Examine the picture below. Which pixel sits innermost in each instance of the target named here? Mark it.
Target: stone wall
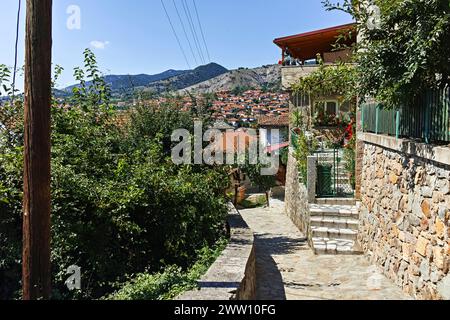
(405, 214)
(233, 275)
(296, 197)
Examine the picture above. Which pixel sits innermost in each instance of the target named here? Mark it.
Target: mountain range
(265, 77)
(203, 79)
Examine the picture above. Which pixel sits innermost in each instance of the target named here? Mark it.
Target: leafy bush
(170, 283)
(303, 148)
(350, 161)
(119, 204)
(255, 203)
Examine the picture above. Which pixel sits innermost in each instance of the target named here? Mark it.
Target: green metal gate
(332, 179)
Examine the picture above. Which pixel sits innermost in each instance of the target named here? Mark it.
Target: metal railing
(428, 118)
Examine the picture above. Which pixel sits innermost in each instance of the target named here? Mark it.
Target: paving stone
(288, 269)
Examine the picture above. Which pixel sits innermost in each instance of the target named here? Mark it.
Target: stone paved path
(287, 269)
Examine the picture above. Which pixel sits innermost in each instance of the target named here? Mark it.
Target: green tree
(407, 53)
(257, 176)
(119, 204)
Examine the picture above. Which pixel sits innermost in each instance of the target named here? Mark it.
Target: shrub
(119, 205)
(170, 283)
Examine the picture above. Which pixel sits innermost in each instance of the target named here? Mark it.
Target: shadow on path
(270, 284)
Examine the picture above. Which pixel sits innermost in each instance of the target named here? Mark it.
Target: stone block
(439, 257)
(426, 192)
(397, 168)
(418, 178)
(425, 270)
(440, 228)
(443, 288)
(407, 250)
(380, 174)
(426, 208)
(443, 212)
(393, 178)
(443, 185)
(442, 173)
(424, 224)
(414, 220)
(421, 246)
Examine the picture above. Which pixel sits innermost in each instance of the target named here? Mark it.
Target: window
(331, 107)
(326, 113)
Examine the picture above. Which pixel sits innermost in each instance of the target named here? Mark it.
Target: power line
(185, 33)
(201, 30)
(193, 31)
(15, 53)
(175, 34)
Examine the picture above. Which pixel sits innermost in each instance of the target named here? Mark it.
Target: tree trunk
(36, 270)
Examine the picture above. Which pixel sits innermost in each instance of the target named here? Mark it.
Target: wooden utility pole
(36, 269)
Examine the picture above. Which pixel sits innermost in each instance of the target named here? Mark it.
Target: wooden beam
(36, 269)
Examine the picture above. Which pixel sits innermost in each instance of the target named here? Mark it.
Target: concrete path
(287, 268)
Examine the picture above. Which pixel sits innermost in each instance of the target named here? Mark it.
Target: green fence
(428, 118)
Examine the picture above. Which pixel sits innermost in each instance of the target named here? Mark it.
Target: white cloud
(99, 44)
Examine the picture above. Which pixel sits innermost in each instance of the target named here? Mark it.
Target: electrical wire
(201, 30)
(193, 31)
(175, 34)
(185, 32)
(15, 53)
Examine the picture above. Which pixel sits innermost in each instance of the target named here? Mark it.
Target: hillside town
(245, 110)
(251, 108)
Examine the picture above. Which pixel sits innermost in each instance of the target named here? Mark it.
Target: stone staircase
(334, 226)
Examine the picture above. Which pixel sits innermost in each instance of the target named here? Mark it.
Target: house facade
(300, 59)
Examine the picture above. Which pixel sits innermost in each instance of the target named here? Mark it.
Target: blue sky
(135, 37)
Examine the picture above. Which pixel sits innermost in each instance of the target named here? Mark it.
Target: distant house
(269, 123)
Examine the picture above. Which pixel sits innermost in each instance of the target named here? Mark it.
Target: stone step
(337, 201)
(335, 247)
(335, 222)
(334, 233)
(327, 210)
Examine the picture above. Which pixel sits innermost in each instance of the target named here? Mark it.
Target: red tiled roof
(271, 121)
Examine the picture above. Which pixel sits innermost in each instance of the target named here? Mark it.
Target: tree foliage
(407, 52)
(119, 204)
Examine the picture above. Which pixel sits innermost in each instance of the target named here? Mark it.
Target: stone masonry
(296, 197)
(405, 219)
(233, 274)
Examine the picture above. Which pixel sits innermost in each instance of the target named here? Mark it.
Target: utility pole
(36, 269)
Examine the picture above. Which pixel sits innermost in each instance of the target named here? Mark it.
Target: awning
(305, 46)
(277, 147)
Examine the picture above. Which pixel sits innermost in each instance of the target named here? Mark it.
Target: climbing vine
(339, 80)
